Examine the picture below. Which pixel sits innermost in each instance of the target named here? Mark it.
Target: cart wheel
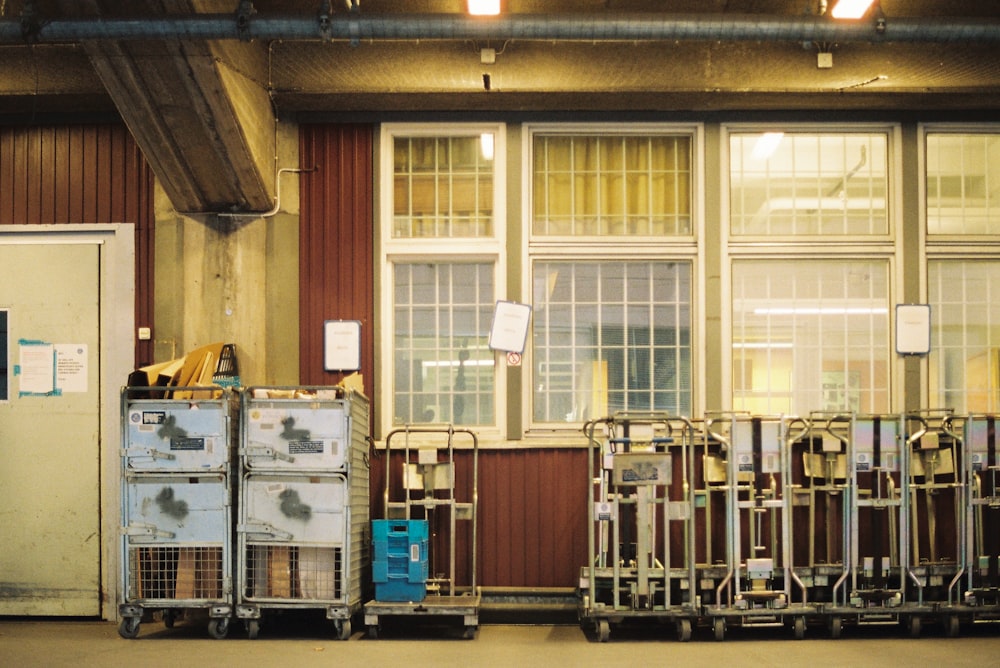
(343, 629)
(836, 624)
(951, 626)
(169, 617)
(373, 631)
(800, 627)
(129, 627)
(914, 624)
(470, 632)
(603, 630)
(253, 628)
(684, 630)
(218, 627)
(719, 628)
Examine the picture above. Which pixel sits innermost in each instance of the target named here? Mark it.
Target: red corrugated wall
(532, 501)
(82, 174)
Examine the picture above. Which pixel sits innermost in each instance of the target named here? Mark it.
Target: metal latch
(267, 451)
(141, 529)
(263, 528)
(152, 453)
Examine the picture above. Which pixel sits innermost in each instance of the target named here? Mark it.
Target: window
(810, 335)
(611, 255)
(611, 336)
(963, 183)
(964, 363)
(792, 184)
(441, 242)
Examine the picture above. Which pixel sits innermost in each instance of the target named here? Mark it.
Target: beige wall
(233, 279)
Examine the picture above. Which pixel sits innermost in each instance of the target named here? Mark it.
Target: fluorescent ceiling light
(484, 7)
(825, 310)
(766, 145)
(764, 345)
(851, 9)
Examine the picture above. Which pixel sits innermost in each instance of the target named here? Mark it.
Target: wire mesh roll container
(176, 506)
(640, 526)
(302, 533)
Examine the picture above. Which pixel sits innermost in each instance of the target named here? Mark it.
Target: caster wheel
(218, 628)
(373, 631)
(129, 627)
(836, 625)
(343, 629)
(914, 626)
(470, 632)
(603, 630)
(719, 628)
(169, 618)
(951, 626)
(684, 630)
(800, 628)
(253, 628)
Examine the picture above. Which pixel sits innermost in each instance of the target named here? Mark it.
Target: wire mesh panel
(294, 573)
(176, 573)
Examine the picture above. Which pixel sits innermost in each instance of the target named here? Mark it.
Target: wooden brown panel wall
(82, 174)
(532, 502)
(336, 274)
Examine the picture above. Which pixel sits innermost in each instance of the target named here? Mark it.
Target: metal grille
(294, 572)
(175, 573)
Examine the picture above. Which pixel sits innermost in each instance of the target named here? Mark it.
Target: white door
(50, 430)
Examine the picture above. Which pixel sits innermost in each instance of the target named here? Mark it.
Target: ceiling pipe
(630, 27)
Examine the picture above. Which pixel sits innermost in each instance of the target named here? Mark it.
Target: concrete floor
(33, 642)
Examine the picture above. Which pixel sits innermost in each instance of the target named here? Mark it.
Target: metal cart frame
(303, 504)
(176, 506)
(757, 590)
(428, 480)
(632, 472)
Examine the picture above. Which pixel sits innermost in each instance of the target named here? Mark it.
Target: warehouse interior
(289, 178)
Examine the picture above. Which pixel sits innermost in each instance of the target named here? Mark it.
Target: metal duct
(619, 27)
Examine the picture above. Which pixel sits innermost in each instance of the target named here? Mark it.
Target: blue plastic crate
(399, 563)
(400, 591)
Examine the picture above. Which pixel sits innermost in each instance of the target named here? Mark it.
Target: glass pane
(964, 362)
(810, 335)
(963, 184)
(610, 336)
(444, 371)
(802, 184)
(611, 185)
(442, 187)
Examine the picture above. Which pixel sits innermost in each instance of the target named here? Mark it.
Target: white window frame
(947, 247)
(672, 248)
(393, 251)
(886, 247)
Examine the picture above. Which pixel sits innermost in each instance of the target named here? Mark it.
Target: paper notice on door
(71, 367)
(36, 368)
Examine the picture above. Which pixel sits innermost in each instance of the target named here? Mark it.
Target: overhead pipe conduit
(631, 27)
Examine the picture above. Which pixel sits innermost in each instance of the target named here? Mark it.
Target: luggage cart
(303, 504)
(426, 479)
(176, 507)
(758, 587)
(820, 508)
(979, 585)
(640, 528)
(936, 495)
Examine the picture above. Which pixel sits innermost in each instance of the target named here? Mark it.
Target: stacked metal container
(176, 512)
(303, 503)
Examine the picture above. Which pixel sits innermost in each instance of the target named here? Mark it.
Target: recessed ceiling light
(484, 7)
(851, 9)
